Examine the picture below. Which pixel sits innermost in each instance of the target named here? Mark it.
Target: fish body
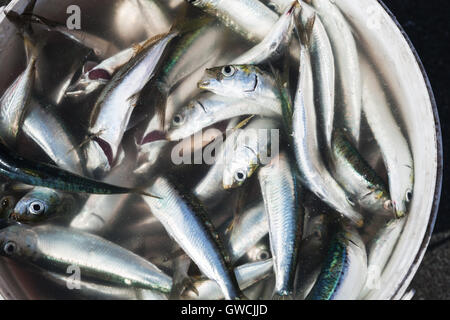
(312, 170)
(281, 200)
(356, 176)
(40, 174)
(344, 271)
(14, 103)
(275, 42)
(112, 111)
(41, 204)
(187, 224)
(393, 145)
(56, 248)
(348, 77)
(210, 109)
(99, 291)
(251, 226)
(42, 126)
(323, 73)
(250, 18)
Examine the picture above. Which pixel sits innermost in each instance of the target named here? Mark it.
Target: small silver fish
(275, 42)
(187, 224)
(313, 173)
(280, 192)
(250, 18)
(210, 109)
(344, 271)
(112, 111)
(55, 248)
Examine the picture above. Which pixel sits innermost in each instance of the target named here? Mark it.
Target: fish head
(231, 80)
(17, 241)
(36, 205)
(238, 170)
(191, 119)
(259, 252)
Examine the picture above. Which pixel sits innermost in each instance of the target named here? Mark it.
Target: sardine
(250, 18)
(14, 103)
(313, 172)
(280, 192)
(42, 126)
(344, 271)
(393, 144)
(246, 275)
(250, 227)
(210, 109)
(323, 72)
(55, 249)
(356, 176)
(44, 175)
(42, 204)
(312, 251)
(112, 111)
(187, 224)
(100, 291)
(348, 77)
(275, 42)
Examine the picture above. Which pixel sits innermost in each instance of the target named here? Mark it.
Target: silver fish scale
(278, 187)
(97, 257)
(192, 233)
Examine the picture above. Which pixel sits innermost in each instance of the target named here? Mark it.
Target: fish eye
(228, 71)
(388, 205)
(240, 176)
(9, 248)
(36, 208)
(178, 120)
(409, 195)
(263, 255)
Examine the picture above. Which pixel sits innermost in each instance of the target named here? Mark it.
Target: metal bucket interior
(372, 23)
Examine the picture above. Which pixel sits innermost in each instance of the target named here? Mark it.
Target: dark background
(427, 23)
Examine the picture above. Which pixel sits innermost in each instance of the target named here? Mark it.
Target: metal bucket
(373, 24)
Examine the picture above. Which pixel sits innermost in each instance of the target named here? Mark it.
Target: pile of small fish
(87, 156)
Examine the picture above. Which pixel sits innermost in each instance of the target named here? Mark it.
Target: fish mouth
(204, 84)
(154, 136)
